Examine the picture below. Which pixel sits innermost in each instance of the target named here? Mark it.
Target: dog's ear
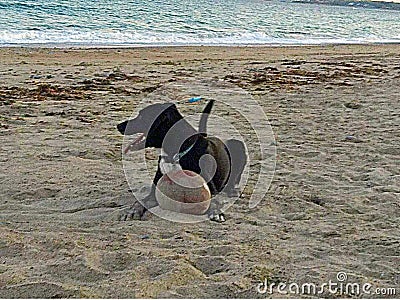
(172, 107)
(172, 114)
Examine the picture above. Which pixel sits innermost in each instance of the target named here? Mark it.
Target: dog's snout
(121, 127)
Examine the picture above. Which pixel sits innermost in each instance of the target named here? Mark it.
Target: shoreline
(141, 46)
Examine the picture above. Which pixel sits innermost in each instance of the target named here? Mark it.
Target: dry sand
(333, 205)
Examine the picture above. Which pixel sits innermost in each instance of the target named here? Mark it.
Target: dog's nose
(121, 127)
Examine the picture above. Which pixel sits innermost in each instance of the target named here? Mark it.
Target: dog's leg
(237, 152)
(214, 212)
(138, 209)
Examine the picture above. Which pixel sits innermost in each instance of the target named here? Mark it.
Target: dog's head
(152, 123)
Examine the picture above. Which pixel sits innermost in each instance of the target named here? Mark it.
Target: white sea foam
(179, 22)
(99, 38)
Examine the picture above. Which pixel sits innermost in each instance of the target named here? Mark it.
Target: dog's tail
(204, 117)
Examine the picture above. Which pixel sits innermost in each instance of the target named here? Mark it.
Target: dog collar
(179, 155)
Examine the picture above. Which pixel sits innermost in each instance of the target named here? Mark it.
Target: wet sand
(333, 204)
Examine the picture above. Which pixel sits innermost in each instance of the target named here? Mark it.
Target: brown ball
(183, 191)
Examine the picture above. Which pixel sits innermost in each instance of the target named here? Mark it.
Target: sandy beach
(333, 205)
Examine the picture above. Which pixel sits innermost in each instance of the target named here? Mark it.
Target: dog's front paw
(136, 212)
(216, 215)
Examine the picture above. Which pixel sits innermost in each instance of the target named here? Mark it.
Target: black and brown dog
(162, 126)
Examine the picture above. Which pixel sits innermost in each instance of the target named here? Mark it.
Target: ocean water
(191, 22)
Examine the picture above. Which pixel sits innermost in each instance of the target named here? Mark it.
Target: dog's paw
(136, 212)
(216, 216)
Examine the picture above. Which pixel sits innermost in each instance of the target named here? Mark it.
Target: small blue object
(194, 99)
